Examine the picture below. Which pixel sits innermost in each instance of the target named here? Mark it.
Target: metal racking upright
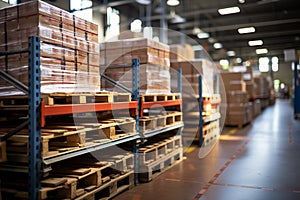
(296, 90)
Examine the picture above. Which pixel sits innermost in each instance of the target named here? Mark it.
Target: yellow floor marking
(227, 135)
(190, 149)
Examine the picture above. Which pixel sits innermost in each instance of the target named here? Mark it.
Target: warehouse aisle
(258, 162)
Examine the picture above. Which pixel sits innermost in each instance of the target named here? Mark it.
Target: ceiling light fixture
(173, 2)
(218, 45)
(143, 2)
(211, 40)
(230, 53)
(261, 51)
(255, 43)
(230, 10)
(203, 35)
(246, 30)
(196, 30)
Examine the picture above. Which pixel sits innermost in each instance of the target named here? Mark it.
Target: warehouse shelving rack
(296, 90)
(38, 111)
(200, 103)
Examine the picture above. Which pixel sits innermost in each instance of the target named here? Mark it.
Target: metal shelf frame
(38, 112)
(296, 91)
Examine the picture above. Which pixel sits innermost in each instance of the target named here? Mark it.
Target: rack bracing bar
(118, 85)
(5, 76)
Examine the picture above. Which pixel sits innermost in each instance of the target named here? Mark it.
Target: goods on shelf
(181, 52)
(154, 68)
(121, 52)
(153, 78)
(239, 110)
(191, 69)
(69, 49)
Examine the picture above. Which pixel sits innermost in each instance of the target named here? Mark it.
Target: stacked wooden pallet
(156, 157)
(79, 178)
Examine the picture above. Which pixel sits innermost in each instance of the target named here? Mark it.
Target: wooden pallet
(212, 98)
(149, 123)
(160, 97)
(211, 132)
(153, 169)
(67, 98)
(153, 152)
(112, 188)
(79, 184)
(59, 139)
(104, 97)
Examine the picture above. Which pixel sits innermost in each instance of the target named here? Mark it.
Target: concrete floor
(258, 162)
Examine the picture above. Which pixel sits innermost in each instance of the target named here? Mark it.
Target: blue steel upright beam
(179, 80)
(296, 91)
(136, 96)
(200, 101)
(34, 129)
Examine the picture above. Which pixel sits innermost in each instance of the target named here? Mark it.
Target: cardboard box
(236, 86)
(38, 7)
(231, 76)
(237, 97)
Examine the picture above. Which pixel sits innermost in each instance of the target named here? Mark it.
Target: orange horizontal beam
(146, 105)
(64, 109)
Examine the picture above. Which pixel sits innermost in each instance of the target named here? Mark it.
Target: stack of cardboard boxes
(69, 47)
(154, 64)
(239, 110)
(263, 90)
(191, 69)
(181, 52)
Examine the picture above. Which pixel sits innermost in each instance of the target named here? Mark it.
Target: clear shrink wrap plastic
(69, 48)
(154, 64)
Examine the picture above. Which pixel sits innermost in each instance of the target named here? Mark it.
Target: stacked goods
(263, 88)
(154, 64)
(250, 84)
(239, 110)
(191, 71)
(69, 47)
(181, 52)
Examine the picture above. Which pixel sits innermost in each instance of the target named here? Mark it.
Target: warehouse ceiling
(276, 23)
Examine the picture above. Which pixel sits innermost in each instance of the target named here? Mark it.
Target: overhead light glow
(202, 35)
(255, 43)
(246, 30)
(211, 40)
(144, 2)
(263, 64)
(196, 30)
(173, 2)
(238, 60)
(218, 45)
(261, 51)
(177, 20)
(230, 10)
(230, 53)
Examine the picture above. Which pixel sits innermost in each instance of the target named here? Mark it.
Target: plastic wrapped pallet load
(69, 48)
(154, 64)
(191, 70)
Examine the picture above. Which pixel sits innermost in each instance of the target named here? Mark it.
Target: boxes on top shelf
(181, 52)
(122, 52)
(154, 60)
(190, 74)
(69, 47)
